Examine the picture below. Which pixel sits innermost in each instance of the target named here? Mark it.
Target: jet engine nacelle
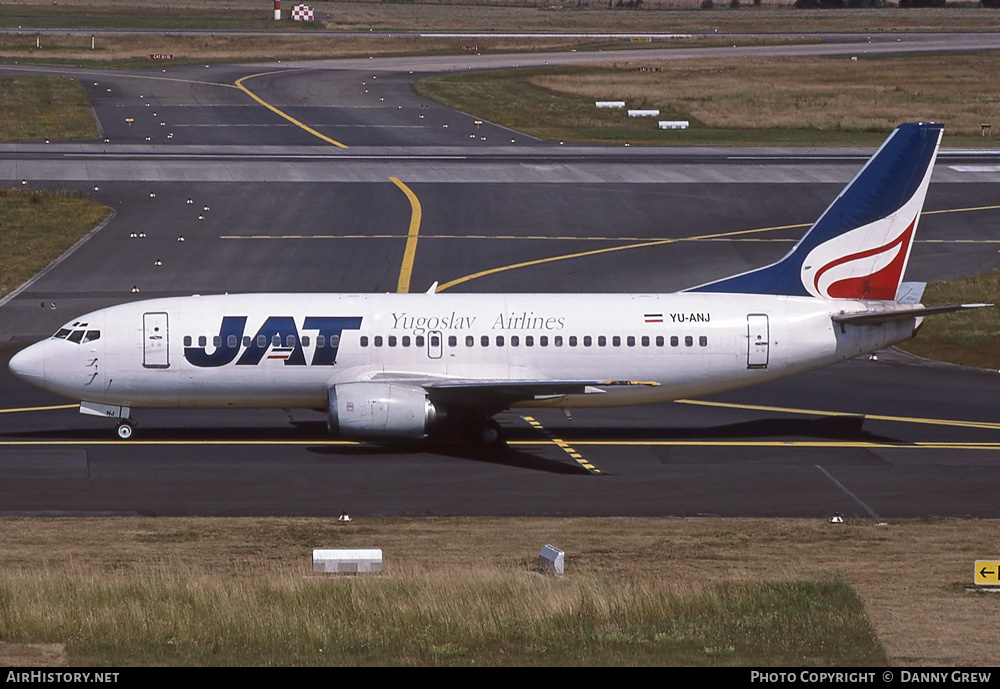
(379, 411)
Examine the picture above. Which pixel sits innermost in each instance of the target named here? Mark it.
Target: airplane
(391, 367)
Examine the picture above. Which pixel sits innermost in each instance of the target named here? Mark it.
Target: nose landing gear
(125, 429)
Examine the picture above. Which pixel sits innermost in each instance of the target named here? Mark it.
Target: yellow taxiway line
(241, 87)
(409, 253)
(49, 408)
(560, 443)
(989, 425)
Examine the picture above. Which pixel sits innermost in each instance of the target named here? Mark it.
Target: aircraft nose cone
(29, 364)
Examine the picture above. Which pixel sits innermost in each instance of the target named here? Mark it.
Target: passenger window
(645, 340)
(572, 340)
(469, 340)
(688, 341)
(334, 340)
(305, 340)
(543, 340)
(514, 340)
(232, 341)
(587, 341)
(659, 340)
(246, 340)
(203, 341)
(378, 340)
(320, 341)
(674, 341)
(452, 341)
(703, 341)
(529, 340)
(364, 340)
(289, 340)
(187, 340)
(602, 341)
(392, 340)
(406, 340)
(484, 340)
(557, 340)
(420, 341)
(436, 341)
(630, 341)
(499, 340)
(275, 340)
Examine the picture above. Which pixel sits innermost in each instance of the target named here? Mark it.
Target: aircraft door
(434, 344)
(155, 341)
(758, 347)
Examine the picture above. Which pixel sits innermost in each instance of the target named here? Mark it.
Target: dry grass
(793, 93)
(501, 15)
(445, 574)
(815, 101)
(133, 50)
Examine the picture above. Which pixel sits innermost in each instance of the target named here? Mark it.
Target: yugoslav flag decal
(836, 269)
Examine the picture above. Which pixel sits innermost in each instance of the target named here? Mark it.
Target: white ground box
(673, 124)
(610, 103)
(643, 113)
(552, 559)
(347, 560)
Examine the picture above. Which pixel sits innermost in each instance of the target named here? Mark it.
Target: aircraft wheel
(491, 435)
(125, 430)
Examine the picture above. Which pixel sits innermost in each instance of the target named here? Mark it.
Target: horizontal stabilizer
(918, 311)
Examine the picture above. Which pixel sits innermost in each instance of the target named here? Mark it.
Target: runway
(277, 207)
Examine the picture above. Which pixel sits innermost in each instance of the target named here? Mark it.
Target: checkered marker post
(302, 13)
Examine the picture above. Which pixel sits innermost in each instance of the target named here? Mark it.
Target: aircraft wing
(497, 394)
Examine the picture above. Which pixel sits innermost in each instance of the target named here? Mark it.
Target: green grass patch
(34, 108)
(38, 226)
(970, 338)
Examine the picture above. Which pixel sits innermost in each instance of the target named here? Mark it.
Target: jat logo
(278, 338)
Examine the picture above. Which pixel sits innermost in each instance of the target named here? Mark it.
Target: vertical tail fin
(859, 247)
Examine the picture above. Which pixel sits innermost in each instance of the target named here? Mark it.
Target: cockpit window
(77, 334)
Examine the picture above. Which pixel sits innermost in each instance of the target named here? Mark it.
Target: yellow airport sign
(987, 573)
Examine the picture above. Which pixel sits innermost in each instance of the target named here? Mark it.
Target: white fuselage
(287, 350)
